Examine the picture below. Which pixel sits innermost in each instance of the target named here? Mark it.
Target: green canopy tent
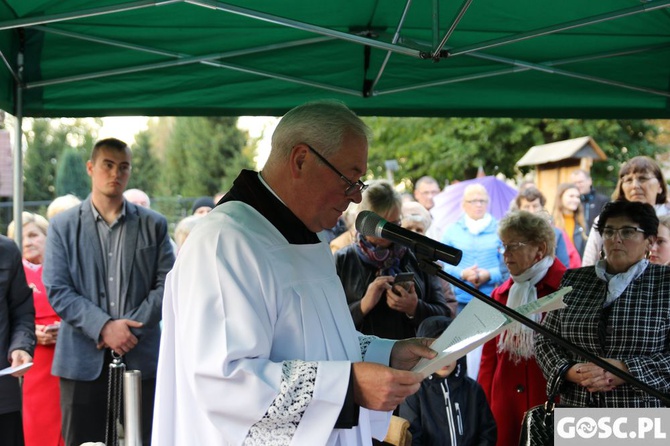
(569, 58)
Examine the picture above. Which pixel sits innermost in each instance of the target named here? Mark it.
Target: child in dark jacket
(450, 408)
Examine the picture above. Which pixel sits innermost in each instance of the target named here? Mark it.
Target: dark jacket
(466, 419)
(635, 329)
(593, 202)
(382, 321)
(17, 320)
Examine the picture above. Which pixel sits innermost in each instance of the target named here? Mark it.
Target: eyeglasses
(354, 187)
(511, 247)
(625, 232)
(482, 202)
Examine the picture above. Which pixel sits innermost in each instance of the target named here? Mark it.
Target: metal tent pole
(17, 159)
(132, 407)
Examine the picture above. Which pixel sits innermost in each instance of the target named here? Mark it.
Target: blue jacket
(480, 249)
(75, 281)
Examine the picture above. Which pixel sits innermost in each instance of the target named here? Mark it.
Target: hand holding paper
(15, 371)
(476, 324)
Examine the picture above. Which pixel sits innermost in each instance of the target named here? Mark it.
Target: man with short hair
(258, 342)
(424, 190)
(592, 200)
(104, 270)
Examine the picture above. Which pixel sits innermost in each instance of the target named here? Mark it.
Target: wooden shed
(554, 162)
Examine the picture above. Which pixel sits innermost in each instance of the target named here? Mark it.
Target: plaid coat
(636, 331)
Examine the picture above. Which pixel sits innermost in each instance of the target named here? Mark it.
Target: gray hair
(534, 227)
(473, 189)
(380, 197)
(321, 124)
(60, 204)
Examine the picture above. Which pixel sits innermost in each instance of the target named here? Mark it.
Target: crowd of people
(267, 318)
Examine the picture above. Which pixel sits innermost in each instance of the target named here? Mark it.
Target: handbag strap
(555, 387)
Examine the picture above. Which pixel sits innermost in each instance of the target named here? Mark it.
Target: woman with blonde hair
(41, 391)
(509, 374)
(660, 249)
(568, 215)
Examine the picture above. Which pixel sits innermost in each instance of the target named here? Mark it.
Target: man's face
(582, 182)
(531, 206)
(324, 199)
(425, 192)
(109, 172)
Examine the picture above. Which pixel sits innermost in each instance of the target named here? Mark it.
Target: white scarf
(518, 340)
(617, 283)
(477, 226)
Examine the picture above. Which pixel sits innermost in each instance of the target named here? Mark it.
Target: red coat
(510, 388)
(41, 390)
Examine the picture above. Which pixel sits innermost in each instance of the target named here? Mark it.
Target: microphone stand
(429, 266)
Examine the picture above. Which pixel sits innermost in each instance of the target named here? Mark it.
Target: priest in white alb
(258, 344)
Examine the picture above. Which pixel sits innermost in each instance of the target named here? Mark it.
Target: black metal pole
(427, 265)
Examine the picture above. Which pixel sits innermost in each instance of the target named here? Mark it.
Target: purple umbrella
(448, 203)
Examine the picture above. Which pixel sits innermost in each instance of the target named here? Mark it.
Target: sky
(126, 127)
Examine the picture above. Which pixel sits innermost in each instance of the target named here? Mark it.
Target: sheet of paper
(476, 324)
(10, 370)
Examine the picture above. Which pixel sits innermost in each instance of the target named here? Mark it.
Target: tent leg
(18, 157)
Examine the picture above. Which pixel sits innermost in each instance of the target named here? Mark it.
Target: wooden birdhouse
(554, 162)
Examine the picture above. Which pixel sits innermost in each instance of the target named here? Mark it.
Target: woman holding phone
(41, 391)
(368, 268)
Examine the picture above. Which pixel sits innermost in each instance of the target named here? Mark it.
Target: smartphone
(404, 280)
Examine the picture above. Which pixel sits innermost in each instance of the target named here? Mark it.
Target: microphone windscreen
(366, 223)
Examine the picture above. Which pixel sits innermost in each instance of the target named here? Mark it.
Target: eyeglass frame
(354, 187)
(618, 232)
(477, 201)
(511, 247)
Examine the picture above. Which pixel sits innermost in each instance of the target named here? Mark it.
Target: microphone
(370, 224)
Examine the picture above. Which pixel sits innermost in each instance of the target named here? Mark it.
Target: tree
(71, 177)
(46, 140)
(204, 155)
(454, 148)
(146, 167)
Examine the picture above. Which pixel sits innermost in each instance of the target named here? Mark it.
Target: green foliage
(454, 148)
(203, 156)
(71, 177)
(146, 167)
(46, 140)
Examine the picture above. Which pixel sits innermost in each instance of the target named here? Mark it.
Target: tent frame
(397, 45)
(392, 44)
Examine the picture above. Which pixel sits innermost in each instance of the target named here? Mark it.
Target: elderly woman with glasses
(640, 179)
(619, 310)
(475, 235)
(367, 269)
(41, 390)
(509, 374)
